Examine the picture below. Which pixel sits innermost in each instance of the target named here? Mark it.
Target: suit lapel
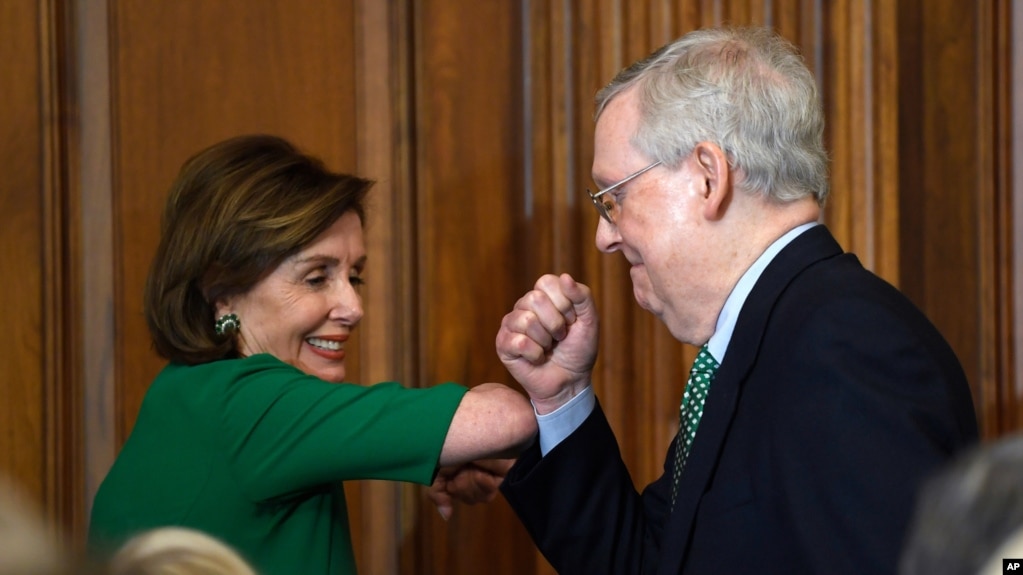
(809, 247)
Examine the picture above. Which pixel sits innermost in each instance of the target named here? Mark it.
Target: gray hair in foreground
(967, 512)
(177, 551)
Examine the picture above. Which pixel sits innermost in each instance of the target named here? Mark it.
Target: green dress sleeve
(284, 431)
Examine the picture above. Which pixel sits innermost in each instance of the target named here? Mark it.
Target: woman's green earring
(227, 324)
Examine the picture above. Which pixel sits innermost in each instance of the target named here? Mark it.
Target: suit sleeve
(580, 506)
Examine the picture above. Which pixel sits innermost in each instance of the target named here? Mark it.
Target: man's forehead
(613, 149)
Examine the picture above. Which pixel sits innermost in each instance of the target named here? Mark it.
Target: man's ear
(717, 179)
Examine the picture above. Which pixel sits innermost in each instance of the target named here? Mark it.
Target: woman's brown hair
(237, 210)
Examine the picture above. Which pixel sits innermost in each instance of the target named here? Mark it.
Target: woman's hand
(472, 483)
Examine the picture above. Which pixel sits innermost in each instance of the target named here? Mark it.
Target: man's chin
(642, 300)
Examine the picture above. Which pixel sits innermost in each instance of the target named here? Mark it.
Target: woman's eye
(356, 281)
(316, 280)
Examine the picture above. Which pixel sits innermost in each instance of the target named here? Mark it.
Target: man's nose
(607, 237)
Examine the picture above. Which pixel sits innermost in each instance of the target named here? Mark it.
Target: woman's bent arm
(493, 420)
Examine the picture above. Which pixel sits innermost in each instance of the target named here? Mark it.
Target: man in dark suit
(833, 396)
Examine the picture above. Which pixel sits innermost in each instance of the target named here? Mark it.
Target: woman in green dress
(249, 431)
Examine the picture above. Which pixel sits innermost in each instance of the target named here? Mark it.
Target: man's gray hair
(745, 89)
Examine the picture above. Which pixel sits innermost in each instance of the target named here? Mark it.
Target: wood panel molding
(387, 334)
(1001, 405)
(1014, 85)
(62, 336)
(93, 184)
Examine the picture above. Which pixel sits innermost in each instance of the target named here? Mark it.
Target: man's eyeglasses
(607, 207)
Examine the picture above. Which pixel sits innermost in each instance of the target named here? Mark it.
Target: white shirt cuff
(560, 423)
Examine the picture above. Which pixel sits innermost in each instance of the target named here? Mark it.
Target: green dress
(254, 451)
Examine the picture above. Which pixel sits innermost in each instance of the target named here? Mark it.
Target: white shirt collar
(718, 344)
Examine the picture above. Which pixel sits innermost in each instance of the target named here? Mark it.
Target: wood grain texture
(939, 131)
(39, 393)
(470, 245)
(861, 100)
(23, 455)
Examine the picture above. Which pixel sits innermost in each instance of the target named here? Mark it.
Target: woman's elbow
(493, 420)
(521, 421)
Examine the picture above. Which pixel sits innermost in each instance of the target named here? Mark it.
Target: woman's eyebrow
(318, 259)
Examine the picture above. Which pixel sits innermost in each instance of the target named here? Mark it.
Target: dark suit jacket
(835, 399)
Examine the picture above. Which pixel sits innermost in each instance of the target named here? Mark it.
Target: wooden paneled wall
(40, 392)
(475, 118)
(22, 383)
